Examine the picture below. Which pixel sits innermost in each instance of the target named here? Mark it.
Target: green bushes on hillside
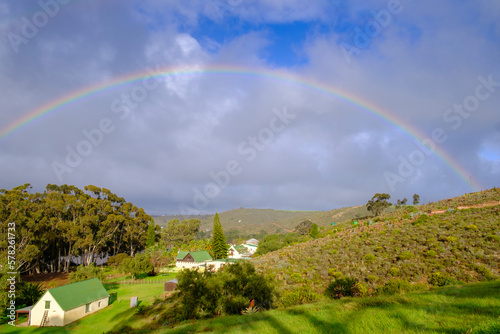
(396, 248)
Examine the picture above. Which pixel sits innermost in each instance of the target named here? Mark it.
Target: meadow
(471, 308)
(116, 315)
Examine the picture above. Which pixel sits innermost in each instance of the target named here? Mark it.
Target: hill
(459, 238)
(253, 221)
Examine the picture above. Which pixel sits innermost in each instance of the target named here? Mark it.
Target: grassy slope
(445, 310)
(446, 243)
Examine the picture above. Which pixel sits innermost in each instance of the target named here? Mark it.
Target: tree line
(65, 222)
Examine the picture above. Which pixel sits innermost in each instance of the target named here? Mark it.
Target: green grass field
(456, 309)
(446, 310)
(117, 314)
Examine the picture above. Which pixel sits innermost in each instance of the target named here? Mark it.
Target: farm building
(170, 285)
(253, 242)
(65, 304)
(192, 259)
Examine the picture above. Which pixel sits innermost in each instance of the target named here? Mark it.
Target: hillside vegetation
(250, 221)
(473, 308)
(453, 244)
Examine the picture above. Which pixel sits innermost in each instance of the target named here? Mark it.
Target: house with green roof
(65, 304)
(192, 259)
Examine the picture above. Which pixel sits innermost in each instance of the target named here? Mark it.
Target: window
(87, 308)
(47, 304)
(99, 304)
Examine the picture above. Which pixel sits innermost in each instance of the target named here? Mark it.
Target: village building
(192, 259)
(250, 248)
(65, 304)
(216, 265)
(253, 242)
(237, 252)
(171, 285)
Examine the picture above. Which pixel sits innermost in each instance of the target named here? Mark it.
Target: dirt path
(482, 205)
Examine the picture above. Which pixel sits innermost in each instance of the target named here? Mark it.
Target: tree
(219, 244)
(29, 293)
(151, 239)
(140, 264)
(401, 203)
(178, 233)
(378, 203)
(303, 228)
(416, 199)
(314, 232)
(83, 273)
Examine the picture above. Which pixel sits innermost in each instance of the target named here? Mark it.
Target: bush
(301, 295)
(471, 227)
(393, 271)
(369, 258)
(485, 272)
(394, 286)
(430, 253)
(405, 255)
(438, 279)
(342, 287)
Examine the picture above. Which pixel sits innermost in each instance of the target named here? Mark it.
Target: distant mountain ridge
(269, 220)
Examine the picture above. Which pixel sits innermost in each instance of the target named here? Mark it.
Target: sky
(192, 106)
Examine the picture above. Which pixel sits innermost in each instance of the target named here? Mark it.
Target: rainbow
(74, 97)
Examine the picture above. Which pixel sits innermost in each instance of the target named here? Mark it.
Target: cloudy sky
(189, 106)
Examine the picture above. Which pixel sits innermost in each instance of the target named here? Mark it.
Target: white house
(192, 259)
(253, 242)
(65, 304)
(251, 248)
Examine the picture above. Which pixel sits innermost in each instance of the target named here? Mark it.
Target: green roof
(240, 247)
(181, 255)
(199, 256)
(73, 295)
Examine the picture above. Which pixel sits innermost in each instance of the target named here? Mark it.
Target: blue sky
(217, 141)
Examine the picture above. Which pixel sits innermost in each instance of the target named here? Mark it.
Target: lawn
(117, 314)
(446, 310)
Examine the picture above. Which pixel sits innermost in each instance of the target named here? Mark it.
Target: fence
(140, 281)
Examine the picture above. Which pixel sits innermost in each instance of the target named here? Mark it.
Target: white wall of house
(80, 311)
(55, 315)
(251, 248)
(187, 265)
(235, 254)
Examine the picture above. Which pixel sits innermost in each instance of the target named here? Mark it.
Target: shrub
(430, 253)
(394, 286)
(370, 258)
(372, 278)
(471, 227)
(405, 255)
(485, 272)
(393, 271)
(29, 293)
(438, 279)
(342, 287)
(301, 295)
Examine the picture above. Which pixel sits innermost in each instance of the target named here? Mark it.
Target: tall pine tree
(219, 244)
